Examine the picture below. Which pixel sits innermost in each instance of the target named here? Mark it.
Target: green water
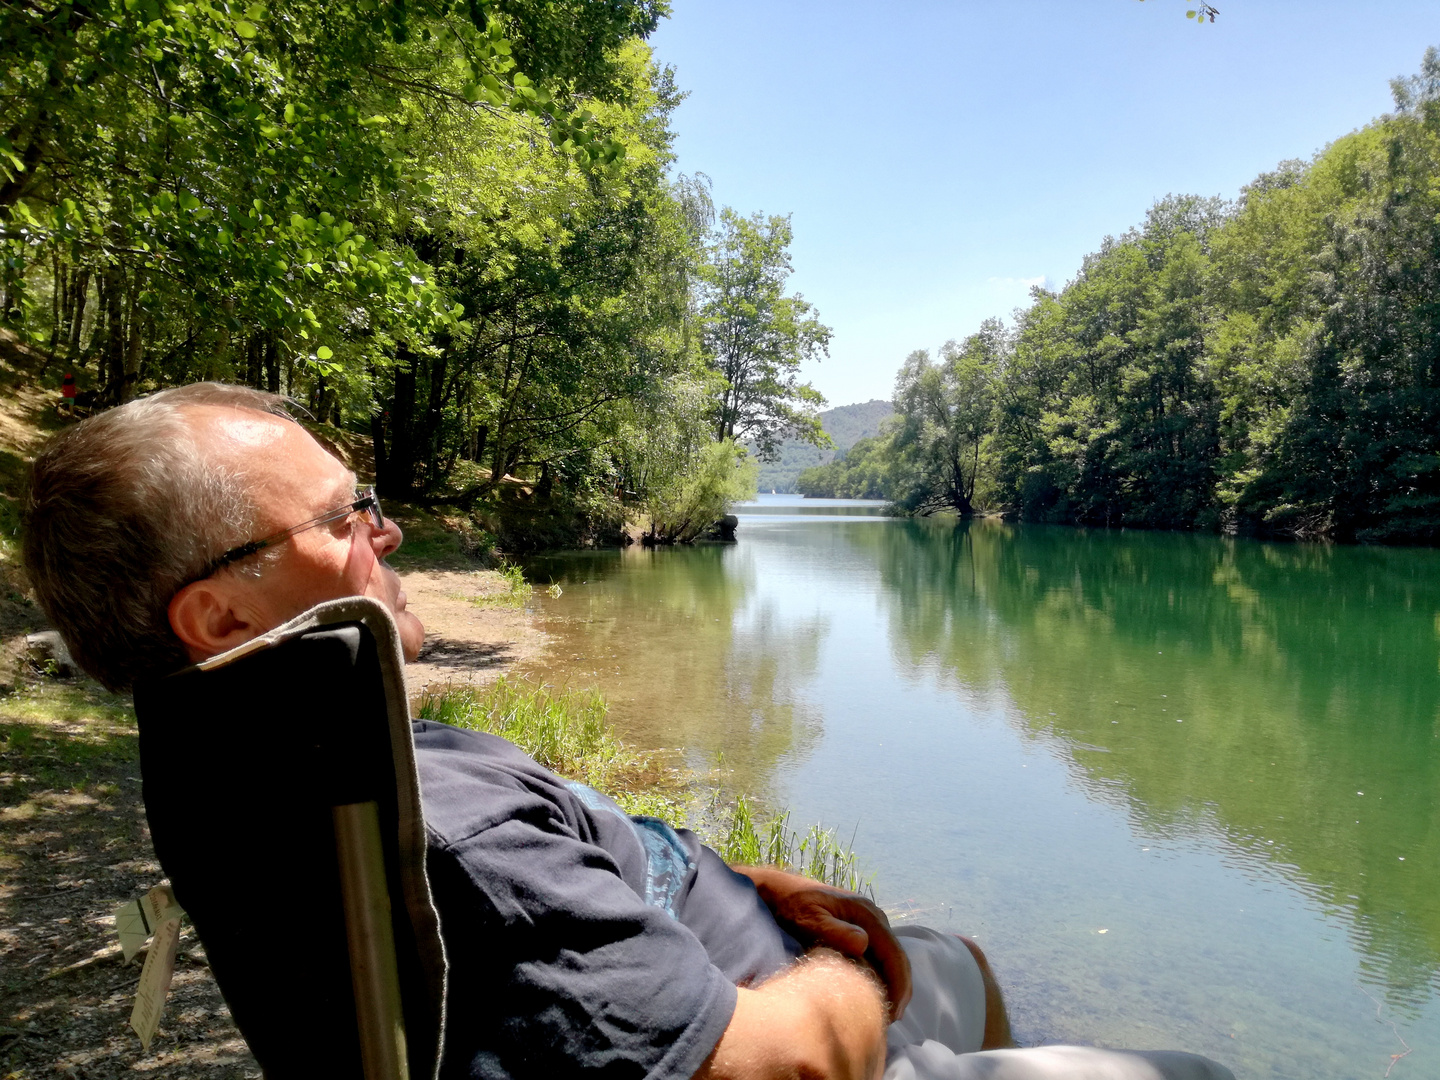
(1182, 788)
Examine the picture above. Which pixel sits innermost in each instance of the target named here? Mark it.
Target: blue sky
(937, 158)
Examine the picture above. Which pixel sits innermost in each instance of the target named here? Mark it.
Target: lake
(1183, 789)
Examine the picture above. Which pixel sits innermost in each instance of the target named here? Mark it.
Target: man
(181, 525)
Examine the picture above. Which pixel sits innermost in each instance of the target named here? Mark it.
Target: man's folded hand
(820, 916)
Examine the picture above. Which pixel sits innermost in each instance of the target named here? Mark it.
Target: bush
(721, 474)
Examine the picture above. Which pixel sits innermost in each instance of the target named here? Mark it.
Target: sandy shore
(471, 634)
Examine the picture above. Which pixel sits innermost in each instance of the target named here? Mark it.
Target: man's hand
(819, 916)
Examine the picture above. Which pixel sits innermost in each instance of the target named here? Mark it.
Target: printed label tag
(155, 981)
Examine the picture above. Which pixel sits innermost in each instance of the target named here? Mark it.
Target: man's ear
(207, 619)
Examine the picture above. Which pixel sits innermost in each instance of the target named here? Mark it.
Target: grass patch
(514, 590)
(564, 730)
(64, 737)
(439, 541)
(568, 732)
(12, 472)
(68, 703)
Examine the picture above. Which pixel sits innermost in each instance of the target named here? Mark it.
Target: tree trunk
(57, 301)
(252, 361)
(959, 498)
(398, 479)
(222, 346)
(134, 349)
(75, 313)
(427, 435)
(377, 442)
(112, 356)
(271, 359)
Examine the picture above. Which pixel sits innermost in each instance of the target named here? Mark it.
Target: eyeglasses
(367, 502)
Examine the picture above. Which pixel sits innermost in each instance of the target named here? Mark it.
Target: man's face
(294, 479)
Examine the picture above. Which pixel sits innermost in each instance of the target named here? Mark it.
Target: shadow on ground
(73, 848)
(465, 655)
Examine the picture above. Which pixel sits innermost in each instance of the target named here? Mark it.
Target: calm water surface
(1182, 788)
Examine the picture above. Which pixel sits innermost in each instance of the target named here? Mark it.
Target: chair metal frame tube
(373, 969)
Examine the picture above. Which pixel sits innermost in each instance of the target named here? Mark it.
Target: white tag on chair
(133, 929)
(154, 913)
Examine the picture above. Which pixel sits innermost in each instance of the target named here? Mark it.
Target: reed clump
(817, 853)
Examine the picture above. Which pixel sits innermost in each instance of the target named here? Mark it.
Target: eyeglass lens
(377, 518)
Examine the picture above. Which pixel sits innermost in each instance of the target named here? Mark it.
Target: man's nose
(386, 539)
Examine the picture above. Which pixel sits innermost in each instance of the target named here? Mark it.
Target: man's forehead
(224, 428)
(275, 448)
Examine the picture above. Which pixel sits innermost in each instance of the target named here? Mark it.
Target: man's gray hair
(124, 511)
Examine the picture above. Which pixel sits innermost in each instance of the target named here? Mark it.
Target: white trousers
(940, 1034)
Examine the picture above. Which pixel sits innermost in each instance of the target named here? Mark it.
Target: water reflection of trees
(1257, 688)
(723, 683)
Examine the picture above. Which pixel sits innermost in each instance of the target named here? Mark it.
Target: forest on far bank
(1269, 365)
(844, 424)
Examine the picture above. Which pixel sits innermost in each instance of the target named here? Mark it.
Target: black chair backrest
(243, 758)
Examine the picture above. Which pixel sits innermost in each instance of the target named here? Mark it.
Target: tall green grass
(568, 731)
(818, 854)
(564, 730)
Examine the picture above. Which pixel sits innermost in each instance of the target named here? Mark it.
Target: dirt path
(74, 846)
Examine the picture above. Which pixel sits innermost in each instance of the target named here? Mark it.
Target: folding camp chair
(283, 803)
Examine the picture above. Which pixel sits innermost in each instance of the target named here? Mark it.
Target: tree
(756, 337)
(716, 475)
(232, 183)
(1271, 365)
(946, 410)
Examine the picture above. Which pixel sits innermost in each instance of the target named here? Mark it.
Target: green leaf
(289, 114)
(245, 28)
(324, 352)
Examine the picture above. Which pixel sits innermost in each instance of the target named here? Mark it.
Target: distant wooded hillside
(845, 425)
